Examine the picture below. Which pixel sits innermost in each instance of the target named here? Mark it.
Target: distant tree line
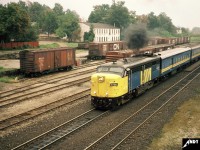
(119, 15)
(23, 21)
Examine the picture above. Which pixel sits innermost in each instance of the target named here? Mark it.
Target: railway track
(22, 117)
(43, 82)
(133, 123)
(17, 95)
(32, 94)
(48, 138)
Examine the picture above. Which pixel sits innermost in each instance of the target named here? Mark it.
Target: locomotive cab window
(111, 69)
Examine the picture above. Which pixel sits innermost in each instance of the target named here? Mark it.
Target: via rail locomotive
(115, 83)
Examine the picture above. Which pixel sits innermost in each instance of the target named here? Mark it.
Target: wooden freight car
(46, 60)
(99, 50)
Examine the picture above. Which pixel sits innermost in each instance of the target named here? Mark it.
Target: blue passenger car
(172, 60)
(195, 53)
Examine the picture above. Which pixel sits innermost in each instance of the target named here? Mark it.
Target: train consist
(115, 55)
(115, 83)
(46, 60)
(99, 50)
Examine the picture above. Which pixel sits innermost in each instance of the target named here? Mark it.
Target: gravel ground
(88, 134)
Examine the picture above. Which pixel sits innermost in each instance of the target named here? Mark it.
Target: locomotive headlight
(95, 92)
(101, 78)
(113, 84)
(106, 94)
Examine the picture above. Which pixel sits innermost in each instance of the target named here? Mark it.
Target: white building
(103, 32)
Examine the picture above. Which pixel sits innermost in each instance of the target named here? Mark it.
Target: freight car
(98, 50)
(174, 40)
(115, 83)
(115, 55)
(46, 60)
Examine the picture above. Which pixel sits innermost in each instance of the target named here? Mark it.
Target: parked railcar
(115, 55)
(45, 60)
(117, 82)
(98, 50)
(83, 46)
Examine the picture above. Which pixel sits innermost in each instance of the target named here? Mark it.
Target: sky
(184, 13)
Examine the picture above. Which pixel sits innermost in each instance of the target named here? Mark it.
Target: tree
(136, 36)
(99, 13)
(58, 9)
(153, 21)
(166, 23)
(118, 15)
(89, 36)
(68, 25)
(36, 12)
(49, 22)
(15, 23)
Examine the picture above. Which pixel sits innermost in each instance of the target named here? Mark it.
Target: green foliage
(49, 22)
(89, 36)
(72, 45)
(58, 9)
(195, 39)
(15, 23)
(68, 25)
(99, 13)
(54, 45)
(117, 15)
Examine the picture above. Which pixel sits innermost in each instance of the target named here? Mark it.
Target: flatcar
(115, 55)
(115, 83)
(46, 60)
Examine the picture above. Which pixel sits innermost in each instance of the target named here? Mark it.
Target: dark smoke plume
(136, 36)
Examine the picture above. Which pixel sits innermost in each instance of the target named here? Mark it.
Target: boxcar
(99, 50)
(39, 61)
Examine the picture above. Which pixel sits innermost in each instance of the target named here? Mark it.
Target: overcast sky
(184, 13)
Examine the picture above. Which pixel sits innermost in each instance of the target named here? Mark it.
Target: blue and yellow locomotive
(115, 83)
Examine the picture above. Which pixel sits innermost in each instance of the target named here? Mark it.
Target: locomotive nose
(108, 85)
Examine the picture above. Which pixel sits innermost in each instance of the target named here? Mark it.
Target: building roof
(100, 25)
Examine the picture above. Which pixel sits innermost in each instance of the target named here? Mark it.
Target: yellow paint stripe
(167, 68)
(174, 65)
(180, 62)
(196, 55)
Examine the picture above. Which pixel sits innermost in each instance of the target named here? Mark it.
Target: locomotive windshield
(111, 69)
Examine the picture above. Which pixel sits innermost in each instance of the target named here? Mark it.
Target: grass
(7, 79)
(4, 78)
(195, 39)
(53, 45)
(184, 124)
(2, 69)
(72, 44)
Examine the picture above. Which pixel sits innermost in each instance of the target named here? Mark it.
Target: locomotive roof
(132, 61)
(172, 52)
